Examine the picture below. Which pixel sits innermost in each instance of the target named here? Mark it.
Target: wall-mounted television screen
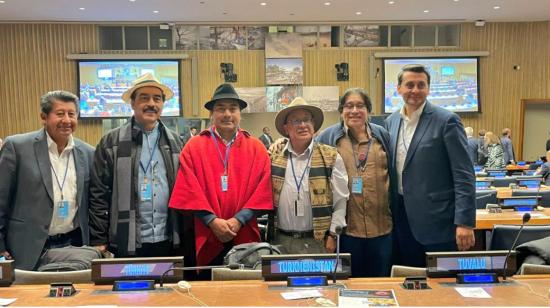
(454, 83)
(102, 82)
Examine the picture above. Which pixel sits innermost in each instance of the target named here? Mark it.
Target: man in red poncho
(224, 179)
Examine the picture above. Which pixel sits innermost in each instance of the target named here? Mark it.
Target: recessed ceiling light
(358, 13)
(156, 12)
(263, 3)
(2, 1)
(391, 2)
(82, 8)
(456, 0)
(496, 7)
(426, 11)
(327, 3)
(132, 0)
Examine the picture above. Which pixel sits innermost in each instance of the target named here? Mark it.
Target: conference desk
(485, 221)
(522, 291)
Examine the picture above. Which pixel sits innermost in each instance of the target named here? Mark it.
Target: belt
(62, 239)
(296, 234)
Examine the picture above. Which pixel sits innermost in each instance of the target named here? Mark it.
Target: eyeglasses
(298, 122)
(351, 106)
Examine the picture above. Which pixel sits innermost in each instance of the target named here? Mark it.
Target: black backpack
(249, 254)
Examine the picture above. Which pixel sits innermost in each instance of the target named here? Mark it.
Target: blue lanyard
(151, 154)
(299, 184)
(62, 184)
(227, 149)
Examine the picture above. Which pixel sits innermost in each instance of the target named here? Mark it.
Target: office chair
(534, 269)
(32, 277)
(223, 274)
(405, 271)
(544, 195)
(503, 236)
(485, 196)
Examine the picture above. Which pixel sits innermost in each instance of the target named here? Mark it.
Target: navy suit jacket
(473, 145)
(438, 175)
(26, 195)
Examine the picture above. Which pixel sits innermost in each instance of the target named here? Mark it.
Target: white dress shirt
(286, 215)
(406, 133)
(59, 162)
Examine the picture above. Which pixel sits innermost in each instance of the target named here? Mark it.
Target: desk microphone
(525, 219)
(192, 268)
(338, 231)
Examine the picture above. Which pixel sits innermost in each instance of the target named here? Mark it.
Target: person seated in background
(44, 186)
(188, 135)
(134, 170)
(310, 184)
(544, 170)
(364, 147)
(224, 180)
(495, 151)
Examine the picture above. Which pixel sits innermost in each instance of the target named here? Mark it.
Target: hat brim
(280, 119)
(168, 94)
(210, 105)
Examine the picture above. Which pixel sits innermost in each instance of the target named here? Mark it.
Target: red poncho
(198, 187)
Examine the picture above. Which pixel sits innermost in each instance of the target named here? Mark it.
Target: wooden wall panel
(33, 62)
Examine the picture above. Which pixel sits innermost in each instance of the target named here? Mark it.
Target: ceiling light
(156, 12)
(456, 0)
(2, 1)
(358, 13)
(426, 11)
(263, 3)
(132, 0)
(391, 2)
(82, 8)
(327, 3)
(496, 7)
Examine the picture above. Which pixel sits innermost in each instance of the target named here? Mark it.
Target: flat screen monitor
(519, 203)
(478, 168)
(279, 267)
(483, 184)
(496, 173)
(529, 183)
(451, 263)
(107, 271)
(101, 84)
(454, 82)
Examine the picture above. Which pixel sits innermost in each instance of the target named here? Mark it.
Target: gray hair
(469, 131)
(47, 100)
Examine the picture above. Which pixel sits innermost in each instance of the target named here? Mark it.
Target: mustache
(150, 108)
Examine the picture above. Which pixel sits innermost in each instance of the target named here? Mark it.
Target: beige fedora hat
(147, 80)
(298, 103)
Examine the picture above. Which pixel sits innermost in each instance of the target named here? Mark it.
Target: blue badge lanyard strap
(299, 184)
(357, 161)
(62, 184)
(225, 161)
(151, 155)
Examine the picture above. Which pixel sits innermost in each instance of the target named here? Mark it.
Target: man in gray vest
(134, 171)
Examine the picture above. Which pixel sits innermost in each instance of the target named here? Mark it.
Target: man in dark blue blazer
(436, 182)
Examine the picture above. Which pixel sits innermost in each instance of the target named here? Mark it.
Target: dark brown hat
(225, 91)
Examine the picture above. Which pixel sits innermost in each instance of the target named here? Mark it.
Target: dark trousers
(158, 249)
(73, 238)
(207, 274)
(370, 257)
(407, 250)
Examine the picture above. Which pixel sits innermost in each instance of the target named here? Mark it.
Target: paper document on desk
(472, 292)
(7, 301)
(366, 298)
(301, 294)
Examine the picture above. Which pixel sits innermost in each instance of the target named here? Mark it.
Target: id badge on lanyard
(356, 185)
(146, 190)
(224, 182)
(63, 209)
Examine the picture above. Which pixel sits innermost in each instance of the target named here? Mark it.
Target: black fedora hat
(225, 91)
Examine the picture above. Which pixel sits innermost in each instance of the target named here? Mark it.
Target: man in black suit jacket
(44, 186)
(266, 138)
